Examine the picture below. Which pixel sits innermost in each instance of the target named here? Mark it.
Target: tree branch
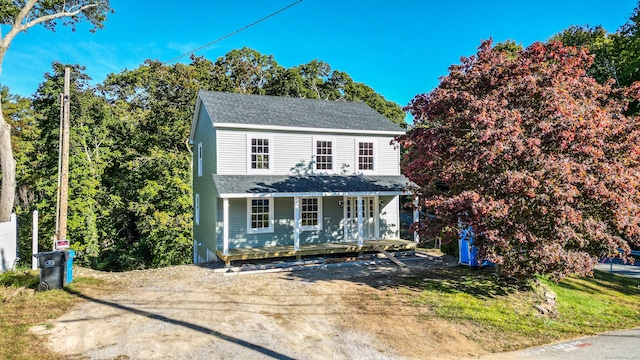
(55, 16)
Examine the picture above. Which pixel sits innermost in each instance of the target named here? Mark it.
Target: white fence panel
(8, 244)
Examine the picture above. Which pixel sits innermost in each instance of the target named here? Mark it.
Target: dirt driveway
(191, 312)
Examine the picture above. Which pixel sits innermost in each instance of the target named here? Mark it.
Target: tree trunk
(8, 167)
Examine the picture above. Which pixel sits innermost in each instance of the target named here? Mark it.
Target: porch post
(225, 226)
(360, 225)
(296, 223)
(376, 216)
(416, 218)
(346, 221)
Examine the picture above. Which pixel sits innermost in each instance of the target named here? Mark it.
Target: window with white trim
(365, 156)
(324, 155)
(259, 215)
(259, 154)
(199, 159)
(197, 206)
(311, 213)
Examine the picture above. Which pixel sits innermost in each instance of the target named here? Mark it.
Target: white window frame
(197, 209)
(311, 227)
(251, 136)
(334, 152)
(251, 230)
(357, 156)
(199, 159)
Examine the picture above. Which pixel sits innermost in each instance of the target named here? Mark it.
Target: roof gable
(265, 111)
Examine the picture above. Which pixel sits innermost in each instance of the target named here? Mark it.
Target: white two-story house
(280, 176)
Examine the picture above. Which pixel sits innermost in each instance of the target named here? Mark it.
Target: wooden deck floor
(315, 249)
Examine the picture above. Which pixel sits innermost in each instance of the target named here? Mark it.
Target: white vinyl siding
(387, 160)
(344, 155)
(232, 152)
(390, 217)
(295, 153)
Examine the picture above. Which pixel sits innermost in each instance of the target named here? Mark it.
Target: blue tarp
(468, 252)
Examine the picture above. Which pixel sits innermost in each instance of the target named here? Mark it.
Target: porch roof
(244, 186)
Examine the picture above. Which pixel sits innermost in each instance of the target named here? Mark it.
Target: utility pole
(61, 236)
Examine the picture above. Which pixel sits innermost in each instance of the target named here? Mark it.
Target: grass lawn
(501, 315)
(497, 313)
(21, 308)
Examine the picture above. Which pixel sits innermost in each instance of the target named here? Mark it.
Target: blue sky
(398, 47)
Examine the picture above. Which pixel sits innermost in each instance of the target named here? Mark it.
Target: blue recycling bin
(68, 279)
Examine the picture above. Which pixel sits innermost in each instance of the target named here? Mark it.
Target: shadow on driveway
(191, 326)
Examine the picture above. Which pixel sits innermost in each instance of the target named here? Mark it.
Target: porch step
(389, 256)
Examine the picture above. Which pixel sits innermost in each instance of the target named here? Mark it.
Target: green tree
(246, 70)
(21, 16)
(150, 193)
(90, 152)
(316, 80)
(604, 46)
(18, 112)
(511, 48)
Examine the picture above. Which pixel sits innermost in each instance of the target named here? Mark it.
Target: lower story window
(260, 215)
(311, 213)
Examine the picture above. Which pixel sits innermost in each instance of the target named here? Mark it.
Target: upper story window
(259, 215)
(259, 153)
(199, 159)
(311, 213)
(365, 156)
(324, 155)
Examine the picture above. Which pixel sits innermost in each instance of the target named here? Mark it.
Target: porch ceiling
(234, 186)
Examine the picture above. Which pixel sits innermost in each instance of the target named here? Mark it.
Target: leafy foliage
(616, 54)
(130, 203)
(48, 12)
(531, 153)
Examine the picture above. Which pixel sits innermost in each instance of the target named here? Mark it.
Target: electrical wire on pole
(232, 33)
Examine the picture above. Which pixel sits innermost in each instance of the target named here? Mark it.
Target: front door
(351, 217)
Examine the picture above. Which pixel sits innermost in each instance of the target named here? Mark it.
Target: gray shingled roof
(281, 184)
(232, 108)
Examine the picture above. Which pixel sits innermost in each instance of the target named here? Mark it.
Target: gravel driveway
(191, 312)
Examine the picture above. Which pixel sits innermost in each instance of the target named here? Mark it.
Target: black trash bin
(52, 266)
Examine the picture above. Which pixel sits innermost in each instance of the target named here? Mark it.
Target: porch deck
(315, 249)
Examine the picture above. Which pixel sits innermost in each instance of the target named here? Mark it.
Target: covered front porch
(315, 249)
(294, 216)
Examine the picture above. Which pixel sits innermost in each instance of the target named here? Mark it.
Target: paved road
(619, 345)
(617, 267)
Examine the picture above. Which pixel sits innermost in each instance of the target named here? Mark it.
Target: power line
(233, 33)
